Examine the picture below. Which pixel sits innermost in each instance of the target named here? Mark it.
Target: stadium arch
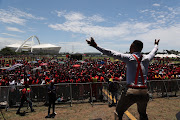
(31, 42)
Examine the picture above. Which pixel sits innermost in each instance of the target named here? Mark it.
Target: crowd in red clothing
(60, 70)
(44, 70)
(163, 68)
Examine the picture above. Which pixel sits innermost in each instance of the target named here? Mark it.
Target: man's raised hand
(156, 42)
(91, 42)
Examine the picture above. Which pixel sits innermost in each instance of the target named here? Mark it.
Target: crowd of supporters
(164, 69)
(25, 70)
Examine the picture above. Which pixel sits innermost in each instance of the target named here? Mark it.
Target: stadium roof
(34, 46)
(44, 46)
(14, 45)
(28, 44)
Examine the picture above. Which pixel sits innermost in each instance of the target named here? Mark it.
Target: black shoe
(110, 105)
(48, 116)
(54, 113)
(17, 112)
(113, 104)
(32, 110)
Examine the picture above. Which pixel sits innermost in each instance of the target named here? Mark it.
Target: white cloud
(142, 11)
(14, 15)
(96, 18)
(163, 27)
(60, 13)
(79, 23)
(8, 17)
(77, 16)
(12, 35)
(102, 32)
(7, 41)
(74, 16)
(156, 5)
(166, 16)
(88, 29)
(169, 37)
(32, 29)
(14, 29)
(119, 14)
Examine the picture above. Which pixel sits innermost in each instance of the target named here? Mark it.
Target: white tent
(173, 55)
(167, 55)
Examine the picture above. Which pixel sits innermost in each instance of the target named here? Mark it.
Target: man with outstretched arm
(136, 76)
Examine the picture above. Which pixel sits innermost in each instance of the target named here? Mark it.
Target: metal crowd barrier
(67, 93)
(4, 96)
(70, 93)
(164, 88)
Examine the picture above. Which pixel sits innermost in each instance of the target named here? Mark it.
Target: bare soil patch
(158, 109)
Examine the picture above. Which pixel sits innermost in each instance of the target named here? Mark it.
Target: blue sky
(113, 23)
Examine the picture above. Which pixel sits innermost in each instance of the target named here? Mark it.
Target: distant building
(28, 46)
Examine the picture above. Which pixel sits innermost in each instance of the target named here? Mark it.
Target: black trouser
(22, 102)
(127, 100)
(51, 102)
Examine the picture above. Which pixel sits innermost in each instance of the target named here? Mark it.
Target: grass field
(158, 109)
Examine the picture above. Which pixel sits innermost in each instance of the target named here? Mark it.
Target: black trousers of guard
(127, 100)
(51, 102)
